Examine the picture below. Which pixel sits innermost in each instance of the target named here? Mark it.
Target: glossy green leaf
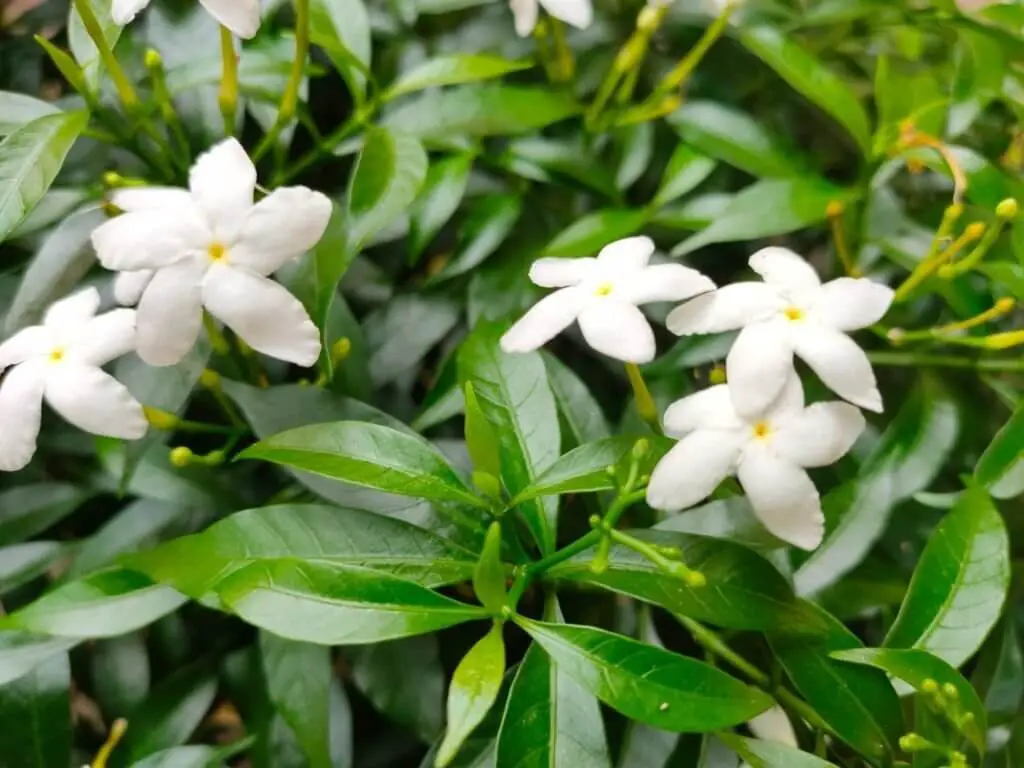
(82, 46)
(402, 332)
(481, 441)
(335, 604)
(368, 455)
(646, 683)
(454, 70)
(635, 149)
(30, 159)
(57, 204)
(342, 29)
(515, 398)
(35, 717)
(195, 756)
(489, 576)
(172, 713)
(473, 691)
(580, 412)
(489, 221)
(439, 198)
(298, 682)
(16, 109)
(120, 671)
(685, 171)
(21, 563)
(139, 524)
(959, 584)
(998, 676)
(757, 753)
(21, 652)
(914, 666)
(589, 234)
(1005, 450)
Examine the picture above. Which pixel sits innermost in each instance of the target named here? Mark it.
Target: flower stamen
(793, 313)
(604, 289)
(217, 252)
(57, 355)
(762, 430)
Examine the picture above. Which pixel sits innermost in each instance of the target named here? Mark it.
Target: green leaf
(915, 666)
(646, 683)
(81, 44)
(580, 412)
(57, 204)
(589, 234)
(16, 109)
(1005, 450)
(771, 754)
(489, 576)
(959, 584)
(335, 604)
(481, 441)
(35, 712)
(387, 177)
(685, 171)
(331, 535)
(907, 90)
(454, 70)
(515, 399)
(769, 207)
(21, 563)
(21, 652)
(196, 756)
(103, 604)
(368, 455)
(402, 332)
(139, 524)
(171, 714)
(812, 79)
(298, 681)
(473, 691)
(30, 159)
(120, 672)
(736, 138)
(857, 703)
(482, 110)
(65, 64)
(488, 222)
(342, 29)
(439, 198)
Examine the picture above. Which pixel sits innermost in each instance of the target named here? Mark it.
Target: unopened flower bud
(160, 419)
(209, 379)
(649, 18)
(954, 212)
(152, 59)
(1006, 304)
(1007, 209)
(929, 686)
(341, 349)
(913, 742)
(113, 179)
(950, 690)
(181, 456)
(974, 230)
(717, 375)
(835, 208)
(640, 448)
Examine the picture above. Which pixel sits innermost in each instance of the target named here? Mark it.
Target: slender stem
(165, 102)
(211, 429)
(531, 571)
(933, 258)
(679, 74)
(329, 144)
(564, 63)
(228, 97)
(125, 91)
(290, 99)
(999, 365)
(645, 405)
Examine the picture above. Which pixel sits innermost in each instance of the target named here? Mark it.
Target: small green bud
(594, 521)
(929, 686)
(954, 212)
(1007, 209)
(695, 579)
(113, 179)
(640, 448)
(209, 379)
(341, 349)
(181, 456)
(160, 419)
(648, 19)
(610, 470)
(717, 375)
(152, 59)
(913, 742)
(950, 690)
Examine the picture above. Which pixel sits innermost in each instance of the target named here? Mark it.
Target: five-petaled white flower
(240, 16)
(210, 246)
(791, 311)
(602, 294)
(578, 13)
(60, 361)
(768, 455)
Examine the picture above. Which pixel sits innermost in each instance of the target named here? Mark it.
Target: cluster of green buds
(914, 742)
(944, 701)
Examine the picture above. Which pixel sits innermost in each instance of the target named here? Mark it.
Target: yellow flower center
(762, 430)
(603, 289)
(57, 355)
(793, 313)
(217, 252)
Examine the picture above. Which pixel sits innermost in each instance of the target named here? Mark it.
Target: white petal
(545, 320)
(68, 315)
(820, 435)
(281, 227)
(124, 11)
(104, 338)
(782, 268)
(94, 401)
(851, 303)
(132, 199)
(790, 401)
(223, 181)
(666, 282)
(708, 409)
(783, 497)
(262, 313)
(619, 330)
(693, 469)
(24, 345)
(728, 308)
(773, 725)
(21, 405)
(170, 313)
(240, 16)
(840, 363)
(627, 256)
(149, 239)
(758, 367)
(525, 14)
(560, 273)
(128, 286)
(578, 13)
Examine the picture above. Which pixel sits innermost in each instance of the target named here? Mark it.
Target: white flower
(59, 361)
(578, 13)
(240, 16)
(603, 294)
(209, 246)
(791, 311)
(768, 455)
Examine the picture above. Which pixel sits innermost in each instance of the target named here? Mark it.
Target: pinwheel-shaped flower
(578, 13)
(768, 455)
(602, 294)
(59, 361)
(210, 246)
(240, 16)
(791, 311)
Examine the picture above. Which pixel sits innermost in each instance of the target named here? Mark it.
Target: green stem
(125, 91)
(531, 571)
(1002, 365)
(290, 99)
(228, 97)
(327, 147)
(645, 405)
(212, 429)
(679, 74)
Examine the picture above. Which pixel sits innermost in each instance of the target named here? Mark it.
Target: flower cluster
(177, 252)
(757, 426)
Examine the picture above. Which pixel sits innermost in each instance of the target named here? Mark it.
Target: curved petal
(758, 367)
(223, 181)
(281, 227)
(840, 363)
(525, 14)
(561, 273)
(24, 345)
(128, 286)
(850, 303)
(67, 316)
(783, 497)
(21, 406)
(790, 402)
(710, 408)
(693, 469)
(666, 282)
(123, 11)
(618, 330)
(94, 401)
(544, 320)
(104, 338)
(578, 13)
(728, 308)
(240, 16)
(149, 239)
(627, 256)
(781, 268)
(262, 313)
(820, 435)
(170, 313)
(132, 199)
(773, 725)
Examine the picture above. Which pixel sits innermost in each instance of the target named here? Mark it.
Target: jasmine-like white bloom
(791, 311)
(210, 246)
(240, 16)
(59, 361)
(767, 454)
(578, 13)
(603, 294)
